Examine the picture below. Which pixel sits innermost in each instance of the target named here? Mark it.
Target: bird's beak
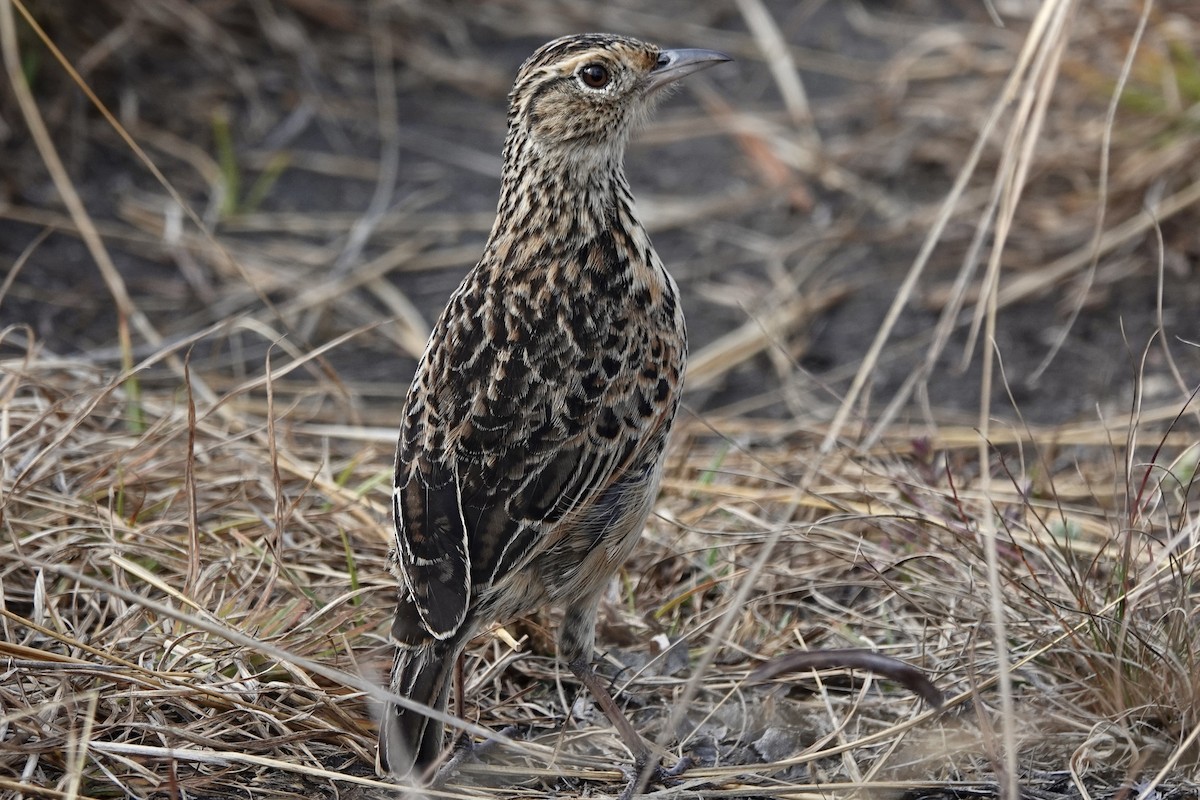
(675, 64)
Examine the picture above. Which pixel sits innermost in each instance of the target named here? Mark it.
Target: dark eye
(595, 75)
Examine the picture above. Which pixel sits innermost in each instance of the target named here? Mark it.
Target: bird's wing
(524, 410)
(468, 525)
(552, 485)
(432, 547)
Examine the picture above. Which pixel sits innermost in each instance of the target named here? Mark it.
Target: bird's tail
(408, 739)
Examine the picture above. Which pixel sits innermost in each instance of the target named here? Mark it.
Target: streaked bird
(534, 430)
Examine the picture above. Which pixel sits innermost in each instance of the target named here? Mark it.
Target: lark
(534, 430)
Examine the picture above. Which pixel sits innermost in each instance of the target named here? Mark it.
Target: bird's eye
(595, 75)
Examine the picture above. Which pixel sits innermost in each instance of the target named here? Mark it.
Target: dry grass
(193, 600)
(139, 544)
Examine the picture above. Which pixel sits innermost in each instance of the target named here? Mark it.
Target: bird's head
(579, 96)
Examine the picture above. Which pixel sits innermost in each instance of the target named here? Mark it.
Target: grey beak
(675, 64)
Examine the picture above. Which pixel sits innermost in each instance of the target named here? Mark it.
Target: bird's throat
(558, 202)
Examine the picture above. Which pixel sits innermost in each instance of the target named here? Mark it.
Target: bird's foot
(646, 773)
(465, 750)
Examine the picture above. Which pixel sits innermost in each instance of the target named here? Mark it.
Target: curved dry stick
(905, 674)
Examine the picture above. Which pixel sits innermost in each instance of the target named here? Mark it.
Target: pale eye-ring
(595, 76)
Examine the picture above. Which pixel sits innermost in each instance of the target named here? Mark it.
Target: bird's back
(541, 410)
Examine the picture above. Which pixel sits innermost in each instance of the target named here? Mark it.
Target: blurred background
(342, 161)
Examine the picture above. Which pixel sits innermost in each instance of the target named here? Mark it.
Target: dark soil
(315, 93)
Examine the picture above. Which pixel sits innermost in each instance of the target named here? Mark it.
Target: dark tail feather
(410, 740)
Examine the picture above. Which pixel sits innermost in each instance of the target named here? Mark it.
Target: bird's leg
(583, 670)
(463, 749)
(646, 766)
(576, 641)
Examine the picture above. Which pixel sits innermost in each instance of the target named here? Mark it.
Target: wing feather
(435, 558)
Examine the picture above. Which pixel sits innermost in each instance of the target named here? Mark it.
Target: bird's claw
(645, 773)
(465, 750)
